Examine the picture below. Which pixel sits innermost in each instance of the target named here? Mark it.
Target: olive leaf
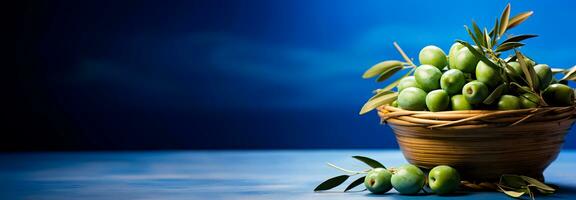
(512, 181)
(512, 193)
(570, 74)
(357, 182)
(518, 19)
(472, 36)
(380, 68)
(495, 95)
(378, 101)
(487, 39)
(388, 73)
(331, 183)
(537, 184)
(478, 54)
(509, 45)
(519, 38)
(558, 70)
(494, 32)
(478, 33)
(369, 161)
(504, 19)
(396, 82)
(529, 72)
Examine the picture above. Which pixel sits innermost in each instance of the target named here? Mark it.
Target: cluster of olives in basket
(460, 81)
(409, 179)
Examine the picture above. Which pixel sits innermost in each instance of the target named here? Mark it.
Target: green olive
(465, 61)
(452, 54)
(437, 100)
(412, 98)
(508, 102)
(475, 92)
(488, 75)
(407, 82)
(544, 73)
(559, 95)
(452, 81)
(529, 100)
(459, 102)
(428, 77)
(433, 55)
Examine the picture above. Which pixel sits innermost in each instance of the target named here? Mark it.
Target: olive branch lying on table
(512, 185)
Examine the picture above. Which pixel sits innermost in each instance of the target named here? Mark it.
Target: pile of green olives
(409, 179)
(460, 81)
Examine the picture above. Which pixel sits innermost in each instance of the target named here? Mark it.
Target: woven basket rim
(397, 116)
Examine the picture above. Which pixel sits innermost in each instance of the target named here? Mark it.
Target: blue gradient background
(236, 74)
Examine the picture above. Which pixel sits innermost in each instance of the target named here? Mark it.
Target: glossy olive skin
(408, 179)
(412, 98)
(488, 75)
(452, 54)
(558, 95)
(394, 104)
(433, 55)
(515, 71)
(443, 179)
(437, 100)
(508, 102)
(465, 61)
(378, 181)
(428, 77)
(529, 100)
(475, 92)
(459, 102)
(407, 82)
(544, 73)
(452, 81)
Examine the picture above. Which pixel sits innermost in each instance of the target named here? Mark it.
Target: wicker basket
(482, 144)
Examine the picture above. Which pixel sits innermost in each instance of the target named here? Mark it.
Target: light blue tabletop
(212, 175)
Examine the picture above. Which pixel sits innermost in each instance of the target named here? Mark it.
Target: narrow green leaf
(380, 68)
(570, 74)
(495, 95)
(388, 73)
(479, 34)
(504, 19)
(380, 92)
(558, 70)
(507, 46)
(395, 83)
(357, 182)
(479, 55)
(518, 19)
(378, 101)
(512, 181)
(529, 72)
(514, 194)
(519, 38)
(472, 36)
(537, 183)
(494, 31)
(487, 39)
(369, 161)
(331, 183)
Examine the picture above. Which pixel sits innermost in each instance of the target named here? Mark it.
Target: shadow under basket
(482, 144)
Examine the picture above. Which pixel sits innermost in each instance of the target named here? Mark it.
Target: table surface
(212, 175)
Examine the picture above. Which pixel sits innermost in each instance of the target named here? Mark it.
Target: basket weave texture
(482, 144)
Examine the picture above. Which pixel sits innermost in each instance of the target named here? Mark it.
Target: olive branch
(487, 48)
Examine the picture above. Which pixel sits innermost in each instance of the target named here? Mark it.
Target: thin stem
(404, 54)
(351, 172)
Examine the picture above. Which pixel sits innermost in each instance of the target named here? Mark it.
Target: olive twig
(351, 172)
